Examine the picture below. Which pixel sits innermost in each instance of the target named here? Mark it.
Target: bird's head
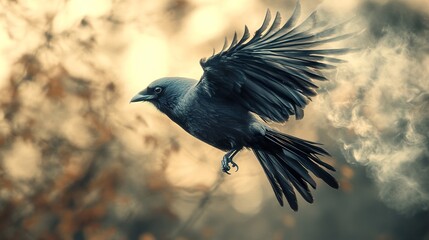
(164, 93)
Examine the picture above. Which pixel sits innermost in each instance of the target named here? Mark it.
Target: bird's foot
(225, 164)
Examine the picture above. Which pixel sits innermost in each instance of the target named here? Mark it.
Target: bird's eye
(158, 90)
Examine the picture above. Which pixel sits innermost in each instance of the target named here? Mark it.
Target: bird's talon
(226, 170)
(225, 165)
(233, 164)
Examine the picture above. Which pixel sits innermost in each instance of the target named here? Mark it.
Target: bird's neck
(173, 106)
(174, 112)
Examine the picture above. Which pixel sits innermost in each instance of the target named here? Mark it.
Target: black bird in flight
(268, 77)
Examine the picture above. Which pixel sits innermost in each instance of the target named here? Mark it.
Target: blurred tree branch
(81, 177)
(199, 209)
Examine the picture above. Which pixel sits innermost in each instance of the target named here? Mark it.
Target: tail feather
(301, 186)
(287, 160)
(272, 178)
(299, 170)
(283, 180)
(305, 147)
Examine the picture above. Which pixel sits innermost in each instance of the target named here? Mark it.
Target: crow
(251, 82)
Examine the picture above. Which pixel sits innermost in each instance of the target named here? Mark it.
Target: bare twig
(199, 209)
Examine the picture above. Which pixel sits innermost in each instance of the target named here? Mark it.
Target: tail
(286, 161)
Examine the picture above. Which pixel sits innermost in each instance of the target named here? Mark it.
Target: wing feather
(273, 73)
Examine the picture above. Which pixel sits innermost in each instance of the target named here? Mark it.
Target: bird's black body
(270, 76)
(231, 126)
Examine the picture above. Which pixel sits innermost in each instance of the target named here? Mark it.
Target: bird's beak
(142, 97)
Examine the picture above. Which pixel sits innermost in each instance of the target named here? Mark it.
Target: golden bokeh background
(77, 161)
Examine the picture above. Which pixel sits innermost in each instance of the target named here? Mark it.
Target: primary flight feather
(270, 75)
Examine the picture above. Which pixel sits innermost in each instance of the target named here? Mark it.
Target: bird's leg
(227, 159)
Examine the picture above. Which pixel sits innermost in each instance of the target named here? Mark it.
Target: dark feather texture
(272, 73)
(286, 161)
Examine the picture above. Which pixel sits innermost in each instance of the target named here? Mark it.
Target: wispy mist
(77, 161)
(379, 103)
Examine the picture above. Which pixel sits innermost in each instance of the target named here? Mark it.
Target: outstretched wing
(272, 73)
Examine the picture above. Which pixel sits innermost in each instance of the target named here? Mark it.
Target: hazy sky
(372, 115)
